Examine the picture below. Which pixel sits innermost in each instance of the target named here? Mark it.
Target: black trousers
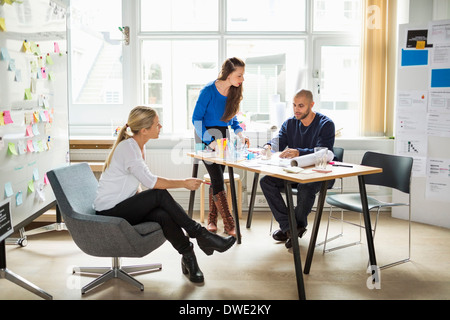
(158, 206)
(215, 170)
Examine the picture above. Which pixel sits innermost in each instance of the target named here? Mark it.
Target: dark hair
(234, 97)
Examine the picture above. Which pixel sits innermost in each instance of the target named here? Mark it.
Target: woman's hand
(192, 183)
(244, 139)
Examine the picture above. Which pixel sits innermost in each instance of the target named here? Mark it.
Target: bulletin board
(33, 103)
(423, 119)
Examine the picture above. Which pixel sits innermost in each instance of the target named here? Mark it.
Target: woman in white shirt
(119, 193)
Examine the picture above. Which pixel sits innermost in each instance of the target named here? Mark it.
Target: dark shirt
(293, 134)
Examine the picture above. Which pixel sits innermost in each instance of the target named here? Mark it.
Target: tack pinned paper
(12, 149)
(4, 54)
(3, 24)
(28, 94)
(7, 117)
(8, 190)
(19, 198)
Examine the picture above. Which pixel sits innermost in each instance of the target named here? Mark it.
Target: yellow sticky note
(12, 148)
(2, 24)
(420, 45)
(28, 94)
(26, 46)
(2, 120)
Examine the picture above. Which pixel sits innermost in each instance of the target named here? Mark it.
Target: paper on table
(309, 159)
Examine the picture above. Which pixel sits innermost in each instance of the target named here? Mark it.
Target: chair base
(116, 271)
(18, 280)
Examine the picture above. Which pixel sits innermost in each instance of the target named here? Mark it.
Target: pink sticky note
(30, 131)
(7, 117)
(30, 147)
(46, 179)
(44, 73)
(56, 45)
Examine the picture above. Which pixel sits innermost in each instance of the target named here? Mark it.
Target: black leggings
(156, 205)
(215, 171)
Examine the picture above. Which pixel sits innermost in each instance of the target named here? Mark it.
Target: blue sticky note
(8, 190)
(19, 199)
(440, 78)
(35, 174)
(414, 58)
(4, 54)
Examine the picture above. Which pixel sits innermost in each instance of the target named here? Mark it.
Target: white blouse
(122, 177)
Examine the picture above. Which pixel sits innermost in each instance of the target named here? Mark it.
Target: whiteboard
(33, 103)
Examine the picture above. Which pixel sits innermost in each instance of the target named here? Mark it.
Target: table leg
(234, 202)
(315, 230)
(251, 205)
(192, 195)
(294, 239)
(368, 227)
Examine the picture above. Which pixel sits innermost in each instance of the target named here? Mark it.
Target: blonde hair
(235, 93)
(139, 118)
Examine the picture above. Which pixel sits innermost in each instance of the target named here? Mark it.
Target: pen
(207, 183)
(342, 165)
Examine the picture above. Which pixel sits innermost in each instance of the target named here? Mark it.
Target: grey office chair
(75, 189)
(396, 175)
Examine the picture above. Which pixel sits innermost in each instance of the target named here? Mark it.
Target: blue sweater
(293, 134)
(209, 110)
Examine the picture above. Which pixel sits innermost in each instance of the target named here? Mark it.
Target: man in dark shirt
(298, 136)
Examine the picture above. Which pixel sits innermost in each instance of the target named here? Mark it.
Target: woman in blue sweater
(298, 136)
(216, 109)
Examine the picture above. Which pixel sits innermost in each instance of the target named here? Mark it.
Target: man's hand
(289, 153)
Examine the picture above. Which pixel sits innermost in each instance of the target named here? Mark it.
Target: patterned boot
(212, 216)
(221, 202)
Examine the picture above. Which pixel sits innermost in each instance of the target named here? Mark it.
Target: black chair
(75, 188)
(396, 175)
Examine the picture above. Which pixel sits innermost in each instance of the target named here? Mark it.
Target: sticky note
(35, 174)
(30, 147)
(35, 146)
(21, 147)
(12, 149)
(4, 54)
(18, 76)
(46, 181)
(12, 65)
(2, 120)
(19, 199)
(42, 116)
(35, 129)
(44, 73)
(28, 94)
(8, 190)
(26, 46)
(30, 186)
(420, 44)
(51, 75)
(49, 59)
(29, 131)
(40, 146)
(36, 117)
(2, 24)
(56, 47)
(7, 117)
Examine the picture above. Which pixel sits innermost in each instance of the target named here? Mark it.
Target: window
(178, 46)
(183, 44)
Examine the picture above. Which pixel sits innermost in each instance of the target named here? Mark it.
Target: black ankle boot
(208, 242)
(190, 267)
